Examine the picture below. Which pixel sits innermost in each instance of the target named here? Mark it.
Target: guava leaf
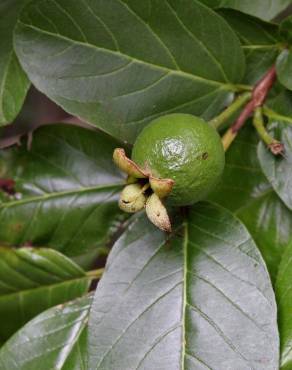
(120, 63)
(260, 42)
(32, 280)
(284, 298)
(284, 68)
(67, 190)
(263, 9)
(13, 82)
(56, 339)
(245, 190)
(278, 169)
(200, 298)
(286, 29)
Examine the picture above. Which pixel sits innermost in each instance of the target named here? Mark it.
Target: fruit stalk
(259, 94)
(273, 145)
(229, 111)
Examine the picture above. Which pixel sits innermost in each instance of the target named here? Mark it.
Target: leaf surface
(284, 299)
(32, 280)
(246, 191)
(199, 299)
(120, 63)
(56, 339)
(278, 169)
(66, 190)
(13, 82)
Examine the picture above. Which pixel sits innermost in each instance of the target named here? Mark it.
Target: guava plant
(179, 174)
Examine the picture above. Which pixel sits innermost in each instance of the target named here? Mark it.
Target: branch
(259, 95)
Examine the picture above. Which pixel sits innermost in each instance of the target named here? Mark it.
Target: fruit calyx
(143, 190)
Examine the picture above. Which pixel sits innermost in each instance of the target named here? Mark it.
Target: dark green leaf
(67, 190)
(199, 299)
(260, 8)
(284, 298)
(284, 68)
(278, 169)
(56, 339)
(260, 42)
(120, 63)
(286, 29)
(270, 223)
(32, 280)
(246, 191)
(13, 82)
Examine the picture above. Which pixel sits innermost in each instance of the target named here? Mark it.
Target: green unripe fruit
(183, 148)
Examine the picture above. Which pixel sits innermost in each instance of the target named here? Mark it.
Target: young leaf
(260, 42)
(200, 298)
(284, 299)
(32, 280)
(56, 339)
(13, 82)
(278, 169)
(67, 189)
(86, 60)
(245, 190)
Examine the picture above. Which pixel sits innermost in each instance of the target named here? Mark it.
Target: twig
(259, 94)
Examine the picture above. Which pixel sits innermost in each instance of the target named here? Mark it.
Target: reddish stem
(259, 94)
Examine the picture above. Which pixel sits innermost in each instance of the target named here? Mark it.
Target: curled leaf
(157, 213)
(127, 165)
(161, 187)
(132, 198)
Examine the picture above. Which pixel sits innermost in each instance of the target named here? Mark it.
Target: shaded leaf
(259, 8)
(286, 29)
(32, 280)
(13, 82)
(284, 68)
(260, 42)
(199, 299)
(56, 339)
(116, 64)
(245, 190)
(66, 190)
(278, 169)
(284, 298)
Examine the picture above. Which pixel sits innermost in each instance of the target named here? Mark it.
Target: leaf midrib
(54, 195)
(226, 86)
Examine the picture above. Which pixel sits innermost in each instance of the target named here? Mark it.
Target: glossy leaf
(260, 8)
(56, 339)
(13, 82)
(284, 298)
(200, 298)
(245, 190)
(278, 169)
(120, 63)
(260, 42)
(32, 280)
(66, 190)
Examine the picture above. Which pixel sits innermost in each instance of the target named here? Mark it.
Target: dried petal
(127, 165)
(132, 198)
(162, 187)
(157, 213)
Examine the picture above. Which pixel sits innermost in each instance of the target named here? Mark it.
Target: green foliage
(201, 297)
(56, 339)
(13, 82)
(67, 190)
(95, 68)
(32, 280)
